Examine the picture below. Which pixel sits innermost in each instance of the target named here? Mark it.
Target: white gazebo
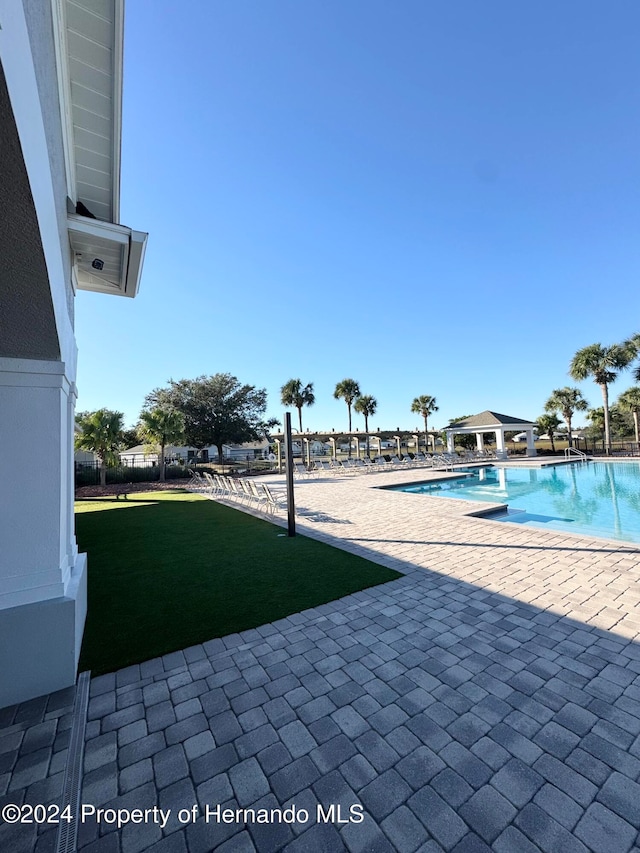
(492, 422)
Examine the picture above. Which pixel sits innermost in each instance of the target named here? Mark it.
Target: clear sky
(429, 197)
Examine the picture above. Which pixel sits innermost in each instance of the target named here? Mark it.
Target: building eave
(89, 40)
(89, 50)
(489, 421)
(515, 427)
(108, 258)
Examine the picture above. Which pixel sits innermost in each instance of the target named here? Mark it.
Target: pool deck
(487, 700)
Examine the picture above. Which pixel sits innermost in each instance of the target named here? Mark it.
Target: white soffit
(108, 257)
(94, 39)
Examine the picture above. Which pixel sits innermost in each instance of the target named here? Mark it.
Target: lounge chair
(300, 471)
(275, 501)
(248, 494)
(210, 485)
(381, 464)
(258, 493)
(396, 462)
(221, 484)
(197, 483)
(322, 466)
(235, 489)
(421, 459)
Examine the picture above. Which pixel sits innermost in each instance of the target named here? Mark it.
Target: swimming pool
(593, 498)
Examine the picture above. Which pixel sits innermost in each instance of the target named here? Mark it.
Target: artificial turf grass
(168, 570)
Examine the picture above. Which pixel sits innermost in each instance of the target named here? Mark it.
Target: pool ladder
(573, 451)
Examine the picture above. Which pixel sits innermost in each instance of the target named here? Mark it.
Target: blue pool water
(594, 498)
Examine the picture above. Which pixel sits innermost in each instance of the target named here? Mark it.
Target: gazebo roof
(490, 420)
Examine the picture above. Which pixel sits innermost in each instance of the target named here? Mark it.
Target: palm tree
(161, 426)
(549, 424)
(566, 400)
(347, 390)
(596, 416)
(425, 406)
(293, 393)
(101, 434)
(603, 364)
(366, 406)
(629, 401)
(634, 344)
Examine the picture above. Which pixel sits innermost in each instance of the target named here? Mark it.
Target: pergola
(354, 437)
(491, 422)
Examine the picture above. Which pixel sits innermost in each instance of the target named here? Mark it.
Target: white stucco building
(60, 119)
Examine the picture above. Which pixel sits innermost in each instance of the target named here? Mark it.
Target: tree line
(603, 364)
(219, 409)
(211, 411)
(294, 393)
(203, 412)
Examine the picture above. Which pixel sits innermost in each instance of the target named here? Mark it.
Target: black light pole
(288, 454)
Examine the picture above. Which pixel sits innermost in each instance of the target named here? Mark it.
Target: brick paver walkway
(487, 700)
(34, 740)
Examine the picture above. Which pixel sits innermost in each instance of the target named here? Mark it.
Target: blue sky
(430, 198)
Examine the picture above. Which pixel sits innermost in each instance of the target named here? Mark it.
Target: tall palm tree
(347, 390)
(603, 364)
(629, 401)
(566, 400)
(366, 405)
(293, 393)
(101, 434)
(425, 406)
(161, 426)
(549, 424)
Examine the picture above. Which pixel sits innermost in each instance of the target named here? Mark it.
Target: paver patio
(487, 700)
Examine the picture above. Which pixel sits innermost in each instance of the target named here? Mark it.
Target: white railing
(573, 451)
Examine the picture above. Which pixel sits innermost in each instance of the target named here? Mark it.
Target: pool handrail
(568, 451)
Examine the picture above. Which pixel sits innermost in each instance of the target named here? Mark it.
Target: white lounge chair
(276, 501)
(424, 460)
(300, 471)
(322, 466)
(258, 494)
(197, 483)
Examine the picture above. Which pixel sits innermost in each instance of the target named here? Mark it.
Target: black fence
(596, 447)
(590, 446)
(88, 473)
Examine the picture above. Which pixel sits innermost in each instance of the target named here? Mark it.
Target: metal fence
(88, 473)
(590, 446)
(596, 447)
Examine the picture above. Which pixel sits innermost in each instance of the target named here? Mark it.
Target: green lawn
(168, 570)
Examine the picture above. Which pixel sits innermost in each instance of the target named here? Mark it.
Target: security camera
(97, 264)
